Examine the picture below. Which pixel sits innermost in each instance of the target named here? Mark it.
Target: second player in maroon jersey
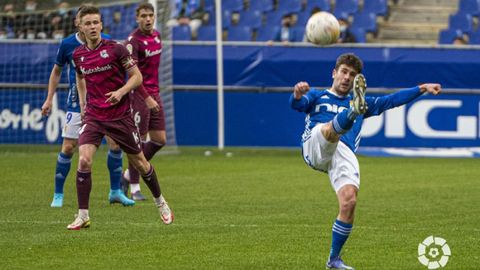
(145, 46)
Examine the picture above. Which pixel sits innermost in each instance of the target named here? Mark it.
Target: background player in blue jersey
(73, 121)
(332, 135)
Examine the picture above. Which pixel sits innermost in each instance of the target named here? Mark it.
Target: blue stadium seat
(121, 30)
(461, 21)
(261, 5)
(299, 33)
(208, 5)
(469, 6)
(359, 34)
(252, 18)
(323, 5)
(341, 15)
(273, 18)
(232, 5)
(475, 38)
(447, 36)
(107, 15)
(367, 21)
(207, 33)
(181, 32)
(348, 6)
(239, 33)
(379, 7)
(226, 18)
(290, 6)
(267, 33)
(303, 17)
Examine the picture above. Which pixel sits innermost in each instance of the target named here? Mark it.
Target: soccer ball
(322, 28)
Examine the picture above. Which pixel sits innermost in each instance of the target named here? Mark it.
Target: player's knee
(349, 204)
(69, 148)
(84, 163)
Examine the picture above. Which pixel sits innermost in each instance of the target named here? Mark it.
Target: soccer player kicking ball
(101, 67)
(332, 135)
(73, 123)
(145, 46)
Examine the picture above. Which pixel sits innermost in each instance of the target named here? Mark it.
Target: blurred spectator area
(52, 19)
(373, 21)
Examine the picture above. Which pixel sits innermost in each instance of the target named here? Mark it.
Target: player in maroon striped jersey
(101, 67)
(145, 46)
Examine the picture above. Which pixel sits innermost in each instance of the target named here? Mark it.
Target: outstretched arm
(378, 105)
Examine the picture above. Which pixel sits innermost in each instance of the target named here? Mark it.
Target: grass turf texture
(259, 209)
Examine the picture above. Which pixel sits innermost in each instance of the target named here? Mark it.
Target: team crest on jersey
(104, 54)
(129, 48)
(81, 58)
(157, 40)
(145, 42)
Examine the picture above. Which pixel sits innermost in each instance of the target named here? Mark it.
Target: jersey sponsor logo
(104, 54)
(149, 53)
(95, 69)
(334, 108)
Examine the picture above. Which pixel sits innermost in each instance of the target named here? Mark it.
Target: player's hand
(152, 104)
(46, 107)
(300, 89)
(432, 88)
(113, 97)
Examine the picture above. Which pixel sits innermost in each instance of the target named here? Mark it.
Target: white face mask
(58, 36)
(31, 7)
(343, 28)
(30, 35)
(3, 36)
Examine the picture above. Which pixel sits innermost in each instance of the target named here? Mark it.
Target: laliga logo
(433, 252)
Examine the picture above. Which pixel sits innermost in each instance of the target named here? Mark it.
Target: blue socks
(114, 163)
(61, 171)
(340, 233)
(343, 121)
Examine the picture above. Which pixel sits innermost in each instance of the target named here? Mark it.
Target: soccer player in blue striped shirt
(332, 135)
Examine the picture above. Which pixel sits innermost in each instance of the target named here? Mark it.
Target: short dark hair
(351, 60)
(146, 6)
(87, 10)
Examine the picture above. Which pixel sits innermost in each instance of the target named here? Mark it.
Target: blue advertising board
(258, 118)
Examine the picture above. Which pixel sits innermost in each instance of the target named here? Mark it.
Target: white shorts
(73, 123)
(336, 159)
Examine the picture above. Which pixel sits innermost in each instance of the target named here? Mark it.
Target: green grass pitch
(259, 209)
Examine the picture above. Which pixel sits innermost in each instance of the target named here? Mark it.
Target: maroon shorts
(123, 132)
(146, 119)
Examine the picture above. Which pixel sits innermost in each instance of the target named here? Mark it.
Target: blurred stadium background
(403, 43)
(258, 209)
